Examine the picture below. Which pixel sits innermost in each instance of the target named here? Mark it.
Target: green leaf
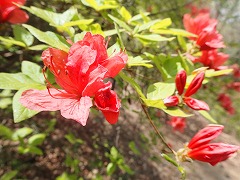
(22, 132)
(213, 73)
(39, 47)
(5, 132)
(20, 112)
(162, 24)
(138, 61)
(21, 34)
(114, 153)
(11, 41)
(139, 16)
(160, 90)
(33, 150)
(112, 32)
(15, 81)
(49, 38)
(147, 25)
(207, 116)
(72, 139)
(100, 5)
(153, 37)
(111, 167)
(54, 19)
(173, 31)
(176, 112)
(9, 175)
(126, 168)
(33, 70)
(125, 13)
(133, 148)
(5, 102)
(78, 22)
(155, 103)
(120, 23)
(36, 139)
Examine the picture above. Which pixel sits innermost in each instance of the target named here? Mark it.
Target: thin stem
(155, 128)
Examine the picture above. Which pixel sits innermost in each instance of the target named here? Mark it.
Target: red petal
(180, 81)
(205, 135)
(196, 104)
(107, 101)
(76, 109)
(171, 101)
(195, 84)
(213, 153)
(17, 16)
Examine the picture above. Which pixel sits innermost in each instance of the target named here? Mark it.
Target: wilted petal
(196, 104)
(40, 100)
(205, 135)
(107, 101)
(76, 109)
(213, 153)
(195, 84)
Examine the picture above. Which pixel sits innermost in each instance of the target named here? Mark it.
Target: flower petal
(195, 84)
(196, 104)
(17, 16)
(76, 109)
(180, 81)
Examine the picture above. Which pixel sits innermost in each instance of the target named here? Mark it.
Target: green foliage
(160, 90)
(9, 175)
(21, 34)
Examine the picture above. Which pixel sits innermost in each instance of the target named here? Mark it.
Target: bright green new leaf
(39, 47)
(114, 153)
(153, 37)
(111, 167)
(33, 70)
(125, 14)
(50, 38)
(160, 90)
(112, 32)
(100, 5)
(120, 23)
(174, 111)
(5, 132)
(20, 112)
(138, 61)
(9, 175)
(162, 24)
(78, 22)
(147, 25)
(15, 81)
(133, 148)
(173, 31)
(207, 116)
(138, 16)
(36, 139)
(155, 103)
(22, 133)
(213, 73)
(11, 41)
(21, 34)
(32, 150)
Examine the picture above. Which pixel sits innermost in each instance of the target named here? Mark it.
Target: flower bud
(180, 81)
(196, 104)
(195, 84)
(171, 101)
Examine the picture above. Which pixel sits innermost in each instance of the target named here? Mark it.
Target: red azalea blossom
(194, 86)
(9, 12)
(235, 86)
(226, 102)
(80, 73)
(178, 123)
(212, 59)
(200, 149)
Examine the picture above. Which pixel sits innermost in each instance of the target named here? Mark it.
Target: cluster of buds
(200, 148)
(184, 98)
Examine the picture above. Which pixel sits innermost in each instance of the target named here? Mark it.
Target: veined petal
(213, 153)
(205, 135)
(196, 104)
(107, 101)
(76, 109)
(41, 100)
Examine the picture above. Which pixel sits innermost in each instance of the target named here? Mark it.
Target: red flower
(235, 86)
(196, 84)
(236, 70)
(195, 11)
(213, 59)
(205, 28)
(9, 12)
(226, 102)
(200, 149)
(80, 74)
(178, 123)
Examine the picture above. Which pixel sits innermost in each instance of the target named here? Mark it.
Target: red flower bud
(171, 101)
(196, 104)
(205, 135)
(213, 153)
(180, 81)
(195, 84)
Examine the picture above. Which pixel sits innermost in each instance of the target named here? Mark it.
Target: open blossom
(80, 73)
(194, 86)
(212, 59)
(178, 123)
(200, 148)
(9, 12)
(226, 102)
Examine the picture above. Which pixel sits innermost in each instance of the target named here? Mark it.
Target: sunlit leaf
(125, 13)
(21, 34)
(155, 103)
(153, 37)
(161, 24)
(120, 23)
(22, 133)
(138, 61)
(176, 112)
(36, 139)
(9, 175)
(5, 132)
(173, 31)
(207, 116)
(11, 41)
(160, 90)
